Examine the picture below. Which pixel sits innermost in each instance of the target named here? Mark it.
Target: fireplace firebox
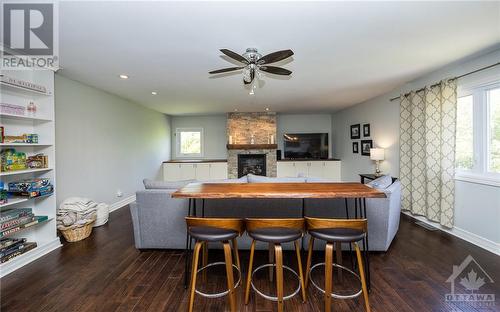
(251, 163)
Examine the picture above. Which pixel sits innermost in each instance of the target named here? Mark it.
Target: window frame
(178, 153)
(481, 137)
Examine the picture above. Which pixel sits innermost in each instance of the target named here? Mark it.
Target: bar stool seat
(212, 234)
(343, 235)
(275, 234)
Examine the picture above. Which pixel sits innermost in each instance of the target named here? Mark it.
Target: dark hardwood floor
(106, 273)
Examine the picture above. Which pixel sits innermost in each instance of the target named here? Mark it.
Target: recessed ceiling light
(123, 76)
(267, 109)
(154, 92)
(235, 109)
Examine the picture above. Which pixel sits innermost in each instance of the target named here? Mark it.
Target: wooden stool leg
(279, 275)
(249, 274)
(204, 261)
(328, 276)
(194, 270)
(309, 259)
(236, 255)
(362, 275)
(301, 273)
(338, 253)
(271, 260)
(230, 280)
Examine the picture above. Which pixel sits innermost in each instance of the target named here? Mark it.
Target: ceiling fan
(252, 62)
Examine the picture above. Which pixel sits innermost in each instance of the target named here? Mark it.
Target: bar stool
(276, 232)
(336, 231)
(205, 230)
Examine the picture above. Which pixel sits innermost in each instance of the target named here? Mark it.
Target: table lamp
(377, 154)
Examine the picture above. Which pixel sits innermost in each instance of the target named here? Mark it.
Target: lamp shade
(377, 154)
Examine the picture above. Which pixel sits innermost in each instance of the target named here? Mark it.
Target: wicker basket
(78, 233)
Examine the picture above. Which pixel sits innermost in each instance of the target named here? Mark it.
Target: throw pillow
(261, 179)
(381, 183)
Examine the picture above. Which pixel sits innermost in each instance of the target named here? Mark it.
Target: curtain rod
(455, 78)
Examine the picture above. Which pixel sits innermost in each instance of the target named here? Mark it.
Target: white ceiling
(345, 52)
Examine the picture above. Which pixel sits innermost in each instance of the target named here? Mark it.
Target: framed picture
(366, 130)
(365, 147)
(355, 147)
(355, 131)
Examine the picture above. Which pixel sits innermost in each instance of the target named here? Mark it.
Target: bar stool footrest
(334, 295)
(221, 294)
(273, 298)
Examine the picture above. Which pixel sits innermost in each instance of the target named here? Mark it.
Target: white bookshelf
(43, 124)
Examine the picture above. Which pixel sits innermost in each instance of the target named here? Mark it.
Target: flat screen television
(306, 145)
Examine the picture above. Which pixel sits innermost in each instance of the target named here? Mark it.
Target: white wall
(477, 207)
(303, 123)
(214, 132)
(105, 143)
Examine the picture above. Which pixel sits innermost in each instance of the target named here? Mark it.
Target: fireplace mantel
(251, 146)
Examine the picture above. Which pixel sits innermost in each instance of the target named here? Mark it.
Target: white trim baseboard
(30, 256)
(122, 203)
(462, 234)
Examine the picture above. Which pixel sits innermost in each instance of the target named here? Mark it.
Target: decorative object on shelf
(271, 141)
(377, 154)
(366, 145)
(30, 138)
(12, 109)
(38, 161)
(366, 130)
(12, 160)
(31, 109)
(22, 83)
(230, 139)
(355, 131)
(252, 139)
(355, 147)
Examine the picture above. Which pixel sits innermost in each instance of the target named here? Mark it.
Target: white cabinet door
(202, 171)
(188, 171)
(316, 169)
(332, 171)
(171, 172)
(301, 169)
(285, 169)
(218, 171)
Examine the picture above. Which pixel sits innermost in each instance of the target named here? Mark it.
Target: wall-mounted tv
(306, 145)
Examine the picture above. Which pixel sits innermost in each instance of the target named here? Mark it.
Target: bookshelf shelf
(24, 144)
(14, 88)
(27, 171)
(20, 117)
(14, 200)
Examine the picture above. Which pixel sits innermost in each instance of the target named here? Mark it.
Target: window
(478, 134)
(189, 142)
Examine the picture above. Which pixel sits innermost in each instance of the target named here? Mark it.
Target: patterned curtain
(427, 151)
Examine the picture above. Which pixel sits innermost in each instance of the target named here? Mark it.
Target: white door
(332, 171)
(301, 169)
(202, 171)
(218, 171)
(188, 172)
(285, 169)
(171, 172)
(316, 169)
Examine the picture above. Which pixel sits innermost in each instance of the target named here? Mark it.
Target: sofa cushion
(243, 179)
(318, 180)
(152, 184)
(381, 183)
(260, 179)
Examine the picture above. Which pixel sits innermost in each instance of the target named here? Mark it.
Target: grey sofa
(158, 219)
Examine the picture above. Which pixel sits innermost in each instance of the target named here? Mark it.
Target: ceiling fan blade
(234, 56)
(224, 70)
(275, 70)
(275, 57)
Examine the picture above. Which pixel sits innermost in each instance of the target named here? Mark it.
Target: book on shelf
(16, 246)
(4, 226)
(11, 214)
(36, 220)
(5, 243)
(26, 247)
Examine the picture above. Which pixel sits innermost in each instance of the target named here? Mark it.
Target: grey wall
(304, 123)
(105, 143)
(477, 206)
(214, 131)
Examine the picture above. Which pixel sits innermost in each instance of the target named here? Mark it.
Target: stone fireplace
(251, 164)
(251, 148)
